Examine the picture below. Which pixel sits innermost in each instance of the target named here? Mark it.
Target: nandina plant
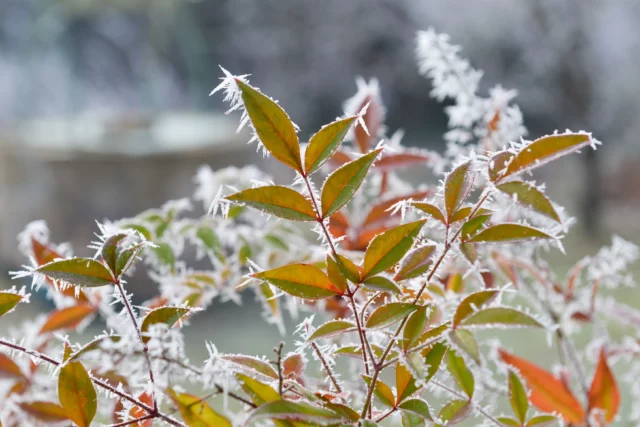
(400, 281)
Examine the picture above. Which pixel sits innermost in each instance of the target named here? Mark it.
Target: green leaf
(457, 186)
(165, 255)
(109, 250)
(430, 209)
(349, 269)
(414, 327)
(259, 392)
(294, 411)
(405, 383)
(455, 412)
(415, 263)
(518, 397)
(412, 420)
(382, 391)
(343, 183)
(273, 126)
(300, 280)
(529, 196)
(368, 423)
(461, 214)
(473, 302)
(492, 316)
(541, 421)
(166, 315)
(498, 165)
(509, 422)
(77, 394)
(461, 374)
(466, 342)
(381, 284)
(126, 258)
(331, 329)
(324, 143)
(433, 359)
(471, 227)
(94, 345)
(8, 301)
(389, 314)
(196, 412)
(336, 275)
(386, 249)
(48, 412)
(418, 407)
(544, 150)
(508, 233)
(469, 251)
(211, 241)
(77, 271)
(277, 200)
(254, 365)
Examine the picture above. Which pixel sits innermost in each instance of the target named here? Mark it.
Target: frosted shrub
(395, 281)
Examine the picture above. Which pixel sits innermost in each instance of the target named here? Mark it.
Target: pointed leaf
(541, 421)
(415, 263)
(546, 149)
(293, 411)
(323, 144)
(473, 302)
(405, 383)
(455, 412)
(508, 233)
(395, 161)
(381, 284)
(300, 280)
(509, 422)
(518, 398)
(498, 165)
(461, 374)
(109, 250)
(380, 211)
(505, 316)
(335, 274)
(430, 209)
(418, 407)
(343, 183)
(457, 186)
(9, 368)
(414, 327)
(163, 315)
(77, 271)
(466, 342)
(253, 364)
(67, 318)
(8, 301)
(382, 391)
(273, 126)
(349, 269)
(126, 258)
(547, 392)
(469, 251)
(389, 314)
(472, 226)
(197, 412)
(277, 200)
(460, 214)
(531, 197)
(410, 419)
(293, 366)
(48, 412)
(77, 394)
(386, 249)
(433, 359)
(604, 393)
(331, 329)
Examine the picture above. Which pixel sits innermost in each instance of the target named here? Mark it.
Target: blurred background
(104, 106)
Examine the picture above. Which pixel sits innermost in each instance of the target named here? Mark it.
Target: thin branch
(326, 367)
(278, 363)
(136, 420)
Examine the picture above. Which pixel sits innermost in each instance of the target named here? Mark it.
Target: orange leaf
(77, 394)
(400, 160)
(372, 119)
(137, 412)
(604, 393)
(44, 254)
(9, 368)
(379, 211)
(547, 392)
(67, 318)
(339, 158)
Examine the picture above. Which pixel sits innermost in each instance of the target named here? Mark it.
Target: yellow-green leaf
(529, 196)
(254, 365)
(48, 412)
(473, 302)
(405, 383)
(335, 274)
(348, 268)
(461, 374)
(164, 315)
(457, 186)
(504, 316)
(8, 301)
(294, 411)
(386, 249)
(455, 412)
(77, 271)
(389, 314)
(109, 250)
(416, 406)
(469, 251)
(465, 341)
(332, 329)
(273, 126)
(196, 412)
(430, 209)
(300, 280)
(544, 150)
(382, 391)
(259, 392)
(414, 327)
(508, 233)
(343, 183)
(461, 214)
(126, 258)
(324, 143)
(541, 421)
(518, 398)
(470, 227)
(380, 284)
(415, 263)
(277, 200)
(77, 394)
(433, 359)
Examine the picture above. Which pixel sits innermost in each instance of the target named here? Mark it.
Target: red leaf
(400, 160)
(379, 211)
(604, 393)
(547, 392)
(67, 318)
